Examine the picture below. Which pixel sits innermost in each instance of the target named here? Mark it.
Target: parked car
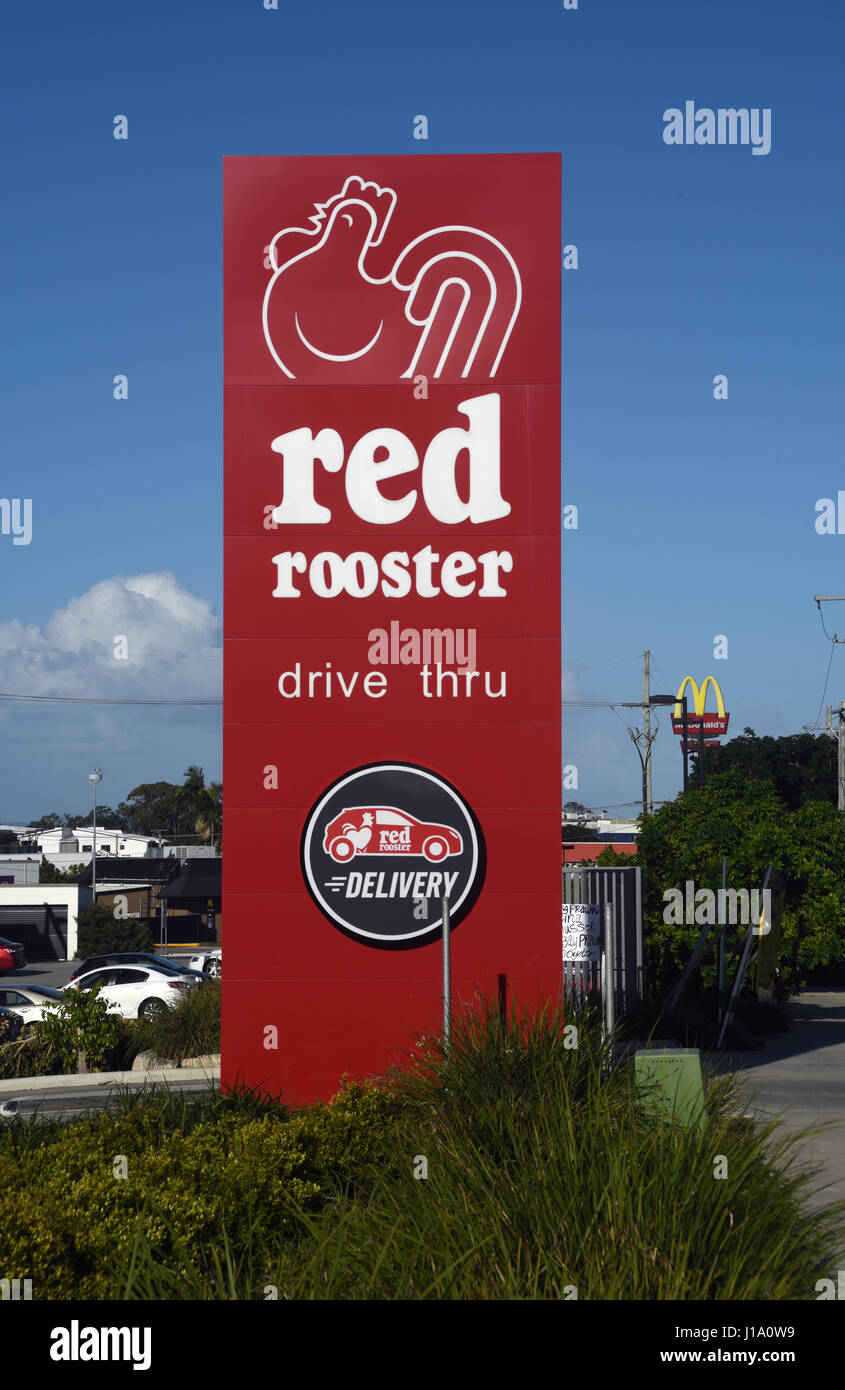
(136, 991)
(133, 958)
(12, 955)
(30, 1001)
(10, 1025)
(210, 963)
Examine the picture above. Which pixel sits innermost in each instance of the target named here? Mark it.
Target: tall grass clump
(191, 1028)
(545, 1179)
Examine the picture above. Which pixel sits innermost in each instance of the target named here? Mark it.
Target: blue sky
(696, 516)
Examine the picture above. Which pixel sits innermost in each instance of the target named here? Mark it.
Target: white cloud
(172, 644)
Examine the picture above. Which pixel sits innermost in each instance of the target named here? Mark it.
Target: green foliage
(32, 1054)
(191, 811)
(192, 1170)
(49, 873)
(81, 1022)
(609, 859)
(746, 821)
(190, 1029)
(100, 932)
(543, 1176)
(8, 1024)
(802, 767)
(574, 834)
(107, 818)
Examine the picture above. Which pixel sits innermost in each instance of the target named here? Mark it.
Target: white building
(65, 846)
(42, 917)
(19, 868)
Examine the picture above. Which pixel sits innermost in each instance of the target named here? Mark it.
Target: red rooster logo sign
(338, 294)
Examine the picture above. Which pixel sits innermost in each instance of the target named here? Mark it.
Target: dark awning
(197, 878)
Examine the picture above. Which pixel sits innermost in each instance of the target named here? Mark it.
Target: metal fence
(622, 889)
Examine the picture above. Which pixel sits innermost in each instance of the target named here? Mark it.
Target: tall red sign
(392, 601)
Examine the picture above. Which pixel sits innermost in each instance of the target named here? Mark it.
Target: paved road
(802, 1075)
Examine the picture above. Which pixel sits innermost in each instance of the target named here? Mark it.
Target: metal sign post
(720, 966)
(609, 972)
(447, 977)
(753, 930)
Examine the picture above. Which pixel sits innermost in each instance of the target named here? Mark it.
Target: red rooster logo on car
(385, 830)
(338, 293)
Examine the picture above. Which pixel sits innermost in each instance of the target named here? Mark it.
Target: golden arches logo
(699, 696)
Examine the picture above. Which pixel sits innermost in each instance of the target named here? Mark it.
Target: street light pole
(94, 777)
(673, 700)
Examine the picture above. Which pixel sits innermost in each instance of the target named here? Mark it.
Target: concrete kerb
(28, 1085)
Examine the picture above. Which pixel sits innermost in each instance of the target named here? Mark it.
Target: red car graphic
(385, 830)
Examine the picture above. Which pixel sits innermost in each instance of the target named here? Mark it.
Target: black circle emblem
(381, 848)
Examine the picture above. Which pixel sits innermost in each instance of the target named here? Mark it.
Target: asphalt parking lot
(55, 973)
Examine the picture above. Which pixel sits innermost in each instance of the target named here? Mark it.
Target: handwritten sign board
(581, 932)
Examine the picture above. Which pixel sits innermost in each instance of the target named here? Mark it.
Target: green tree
(572, 833)
(609, 859)
(202, 804)
(747, 821)
(802, 767)
(107, 819)
(190, 811)
(48, 873)
(99, 931)
(152, 808)
(81, 1029)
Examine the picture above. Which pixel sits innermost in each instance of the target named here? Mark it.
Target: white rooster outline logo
(379, 203)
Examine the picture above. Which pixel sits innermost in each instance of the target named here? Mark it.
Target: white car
(135, 991)
(29, 1001)
(209, 962)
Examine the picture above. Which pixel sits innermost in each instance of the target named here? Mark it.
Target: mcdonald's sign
(713, 726)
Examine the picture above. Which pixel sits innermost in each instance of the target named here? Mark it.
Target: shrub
(543, 1174)
(244, 1165)
(99, 932)
(191, 1028)
(31, 1054)
(80, 1023)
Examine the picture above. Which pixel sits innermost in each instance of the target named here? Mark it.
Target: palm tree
(201, 805)
(209, 811)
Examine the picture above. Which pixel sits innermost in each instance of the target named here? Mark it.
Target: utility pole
(841, 759)
(647, 728)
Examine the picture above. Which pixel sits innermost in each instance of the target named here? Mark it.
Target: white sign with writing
(581, 931)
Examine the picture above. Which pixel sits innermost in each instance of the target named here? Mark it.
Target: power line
(101, 700)
(826, 679)
(660, 673)
(603, 704)
(216, 655)
(623, 662)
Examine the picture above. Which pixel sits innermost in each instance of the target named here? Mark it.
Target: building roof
(573, 851)
(128, 869)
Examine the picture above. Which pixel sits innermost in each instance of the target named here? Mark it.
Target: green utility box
(670, 1084)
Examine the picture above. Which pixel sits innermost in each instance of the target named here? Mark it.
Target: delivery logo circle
(381, 848)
